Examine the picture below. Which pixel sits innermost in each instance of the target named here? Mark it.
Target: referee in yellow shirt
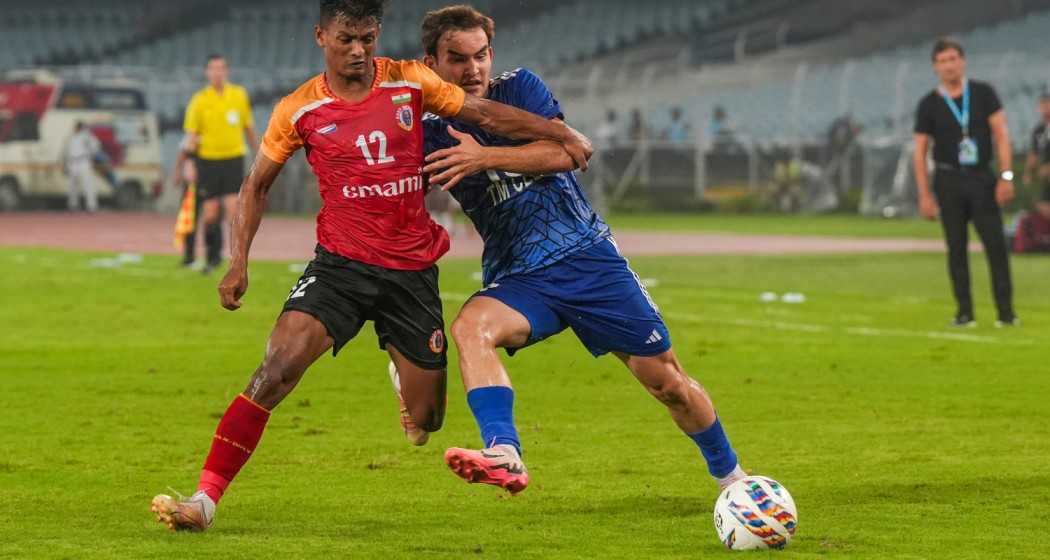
(217, 120)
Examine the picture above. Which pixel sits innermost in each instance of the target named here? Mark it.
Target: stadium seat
(270, 47)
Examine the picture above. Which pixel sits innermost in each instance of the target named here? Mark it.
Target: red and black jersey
(368, 158)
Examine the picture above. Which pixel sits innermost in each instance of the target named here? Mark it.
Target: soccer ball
(755, 513)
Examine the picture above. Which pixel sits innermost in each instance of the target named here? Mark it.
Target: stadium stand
(271, 49)
(78, 29)
(880, 90)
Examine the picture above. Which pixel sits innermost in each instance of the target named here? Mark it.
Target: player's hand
(1004, 191)
(175, 179)
(927, 207)
(449, 166)
(189, 174)
(233, 286)
(578, 147)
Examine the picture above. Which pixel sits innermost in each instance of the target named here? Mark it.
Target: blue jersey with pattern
(526, 222)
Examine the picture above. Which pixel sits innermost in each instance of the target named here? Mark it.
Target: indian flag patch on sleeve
(401, 98)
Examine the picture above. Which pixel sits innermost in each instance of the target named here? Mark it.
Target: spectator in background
(605, 136)
(1033, 228)
(1037, 167)
(842, 134)
(719, 133)
(719, 124)
(636, 131)
(218, 118)
(78, 160)
(678, 130)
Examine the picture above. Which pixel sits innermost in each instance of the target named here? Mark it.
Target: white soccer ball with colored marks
(755, 513)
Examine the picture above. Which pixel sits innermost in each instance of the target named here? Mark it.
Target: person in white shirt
(78, 160)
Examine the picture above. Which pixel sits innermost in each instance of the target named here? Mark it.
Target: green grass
(898, 438)
(779, 224)
(823, 225)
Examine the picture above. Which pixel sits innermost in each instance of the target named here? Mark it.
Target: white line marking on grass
(855, 331)
(777, 325)
(868, 331)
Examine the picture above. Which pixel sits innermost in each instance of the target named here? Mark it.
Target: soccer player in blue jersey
(549, 263)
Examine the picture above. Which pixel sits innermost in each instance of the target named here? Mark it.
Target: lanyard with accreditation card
(967, 147)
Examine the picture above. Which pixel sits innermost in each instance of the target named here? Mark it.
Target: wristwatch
(1007, 175)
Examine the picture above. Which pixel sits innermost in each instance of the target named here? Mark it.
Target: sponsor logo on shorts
(404, 185)
(437, 342)
(404, 117)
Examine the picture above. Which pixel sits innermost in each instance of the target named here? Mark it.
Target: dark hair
(214, 56)
(945, 44)
(351, 10)
(453, 18)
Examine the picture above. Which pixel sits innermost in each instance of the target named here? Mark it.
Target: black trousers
(965, 196)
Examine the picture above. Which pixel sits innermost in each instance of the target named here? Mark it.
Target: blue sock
(714, 446)
(493, 409)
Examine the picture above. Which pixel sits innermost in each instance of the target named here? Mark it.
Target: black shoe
(963, 321)
(1008, 322)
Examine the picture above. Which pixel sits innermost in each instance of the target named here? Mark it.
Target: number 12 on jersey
(376, 136)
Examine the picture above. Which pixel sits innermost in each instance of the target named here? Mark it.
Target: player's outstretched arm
(512, 122)
(251, 202)
(449, 166)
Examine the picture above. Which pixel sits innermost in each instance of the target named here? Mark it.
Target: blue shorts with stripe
(596, 294)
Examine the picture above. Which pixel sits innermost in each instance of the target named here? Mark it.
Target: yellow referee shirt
(219, 119)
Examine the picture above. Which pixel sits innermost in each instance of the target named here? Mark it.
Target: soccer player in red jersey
(360, 124)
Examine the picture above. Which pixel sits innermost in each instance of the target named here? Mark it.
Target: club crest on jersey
(404, 117)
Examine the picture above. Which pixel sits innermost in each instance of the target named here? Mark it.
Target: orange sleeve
(439, 97)
(281, 140)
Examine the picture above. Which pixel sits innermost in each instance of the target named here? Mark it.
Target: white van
(38, 111)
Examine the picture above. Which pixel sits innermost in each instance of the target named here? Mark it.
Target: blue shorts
(593, 292)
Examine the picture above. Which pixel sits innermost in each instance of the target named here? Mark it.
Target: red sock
(235, 440)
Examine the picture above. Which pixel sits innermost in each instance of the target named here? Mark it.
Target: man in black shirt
(961, 117)
(1037, 167)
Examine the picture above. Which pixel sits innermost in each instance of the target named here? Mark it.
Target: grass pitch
(897, 437)
(836, 225)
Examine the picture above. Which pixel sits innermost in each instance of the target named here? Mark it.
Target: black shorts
(404, 305)
(219, 177)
